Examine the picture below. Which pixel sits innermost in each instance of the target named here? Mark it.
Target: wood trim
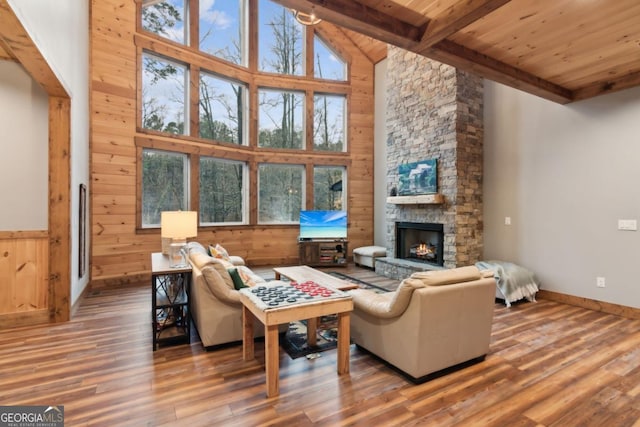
(20, 44)
(28, 234)
(605, 307)
(613, 85)
(59, 208)
(422, 199)
(27, 318)
(15, 36)
(194, 106)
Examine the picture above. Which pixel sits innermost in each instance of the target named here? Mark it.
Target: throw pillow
(219, 252)
(237, 280)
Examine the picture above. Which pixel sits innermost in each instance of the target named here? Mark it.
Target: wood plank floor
(550, 364)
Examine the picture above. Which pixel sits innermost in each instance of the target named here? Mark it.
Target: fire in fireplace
(419, 241)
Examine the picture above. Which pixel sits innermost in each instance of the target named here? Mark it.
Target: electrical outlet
(507, 220)
(627, 224)
(600, 282)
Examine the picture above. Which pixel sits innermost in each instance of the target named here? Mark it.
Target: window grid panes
(280, 193)
(165, 177)
(326, 63)
(222, 191)
(222, 30)
(222, 109)
(281, 40)
(280, 119)
(167, 19)
(329, 125)
(164, 98)
(328, 188)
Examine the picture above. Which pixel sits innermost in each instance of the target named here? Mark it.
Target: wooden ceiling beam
(19, 44)
(609, 86)
(358, 16)
(469, 60)
(454, 18)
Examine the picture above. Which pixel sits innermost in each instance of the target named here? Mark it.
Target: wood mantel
(423, 199)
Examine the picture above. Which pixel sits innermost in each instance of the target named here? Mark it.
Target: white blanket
(514, 282)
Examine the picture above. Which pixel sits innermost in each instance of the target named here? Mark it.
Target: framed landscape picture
(418, 178)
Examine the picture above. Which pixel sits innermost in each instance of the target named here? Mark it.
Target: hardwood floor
(550, 364)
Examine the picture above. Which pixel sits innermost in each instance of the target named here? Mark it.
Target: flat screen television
(323, 225)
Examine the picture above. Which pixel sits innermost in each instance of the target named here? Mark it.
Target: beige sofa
(435, 320)
(214, 303)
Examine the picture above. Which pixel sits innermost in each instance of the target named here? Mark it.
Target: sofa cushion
(387, 305)
(218, 287)
(447, 277)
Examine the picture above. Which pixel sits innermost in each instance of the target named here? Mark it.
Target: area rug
(295, 339)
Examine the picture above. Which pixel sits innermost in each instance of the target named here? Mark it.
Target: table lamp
(178, 226)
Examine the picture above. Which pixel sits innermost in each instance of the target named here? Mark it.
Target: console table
(271, 317)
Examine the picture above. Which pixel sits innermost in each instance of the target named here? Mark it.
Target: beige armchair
(435, 320)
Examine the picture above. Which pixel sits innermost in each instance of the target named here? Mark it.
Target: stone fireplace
(434, 112)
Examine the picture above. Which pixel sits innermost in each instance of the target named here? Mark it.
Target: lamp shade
(179, 224)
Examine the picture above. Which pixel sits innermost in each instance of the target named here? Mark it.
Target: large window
(165, 178)
(222, 29)
(281, 40)
(326, 63)
(164, 98)
(280, 193)
(222, 191)
(329, 127)
(222, 109)
(250, 135)
(281, 122)
(329, 188)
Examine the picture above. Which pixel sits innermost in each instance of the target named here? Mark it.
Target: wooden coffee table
(303, 273)
(271, 317)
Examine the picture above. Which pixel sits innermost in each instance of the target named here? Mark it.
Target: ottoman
(366, 255)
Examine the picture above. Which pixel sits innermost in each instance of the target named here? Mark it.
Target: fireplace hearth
(422, 242)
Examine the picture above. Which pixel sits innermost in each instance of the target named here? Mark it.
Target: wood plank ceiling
(562, 50)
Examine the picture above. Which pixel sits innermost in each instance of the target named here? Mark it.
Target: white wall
(60, 30)
(565, 175)
(380, 156)
(24, 177)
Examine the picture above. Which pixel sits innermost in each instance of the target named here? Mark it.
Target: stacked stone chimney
(435, 111)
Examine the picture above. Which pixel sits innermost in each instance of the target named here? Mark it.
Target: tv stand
(323, 252)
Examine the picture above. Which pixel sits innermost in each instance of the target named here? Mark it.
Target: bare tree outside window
(280, 117)
(163, 94)
(329, 125)
(222, 26)
(328, 191)
(281, 40)
(280, 193)
(222, 191)
(222, 109)
(327, 63)
(164, 184)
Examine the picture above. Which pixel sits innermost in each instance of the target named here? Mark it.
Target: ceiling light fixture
(306, 18)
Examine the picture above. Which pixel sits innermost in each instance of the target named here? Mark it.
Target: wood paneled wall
(119, 250)
(24, 278)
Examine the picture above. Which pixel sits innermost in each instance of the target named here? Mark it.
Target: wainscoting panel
(24, 281)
